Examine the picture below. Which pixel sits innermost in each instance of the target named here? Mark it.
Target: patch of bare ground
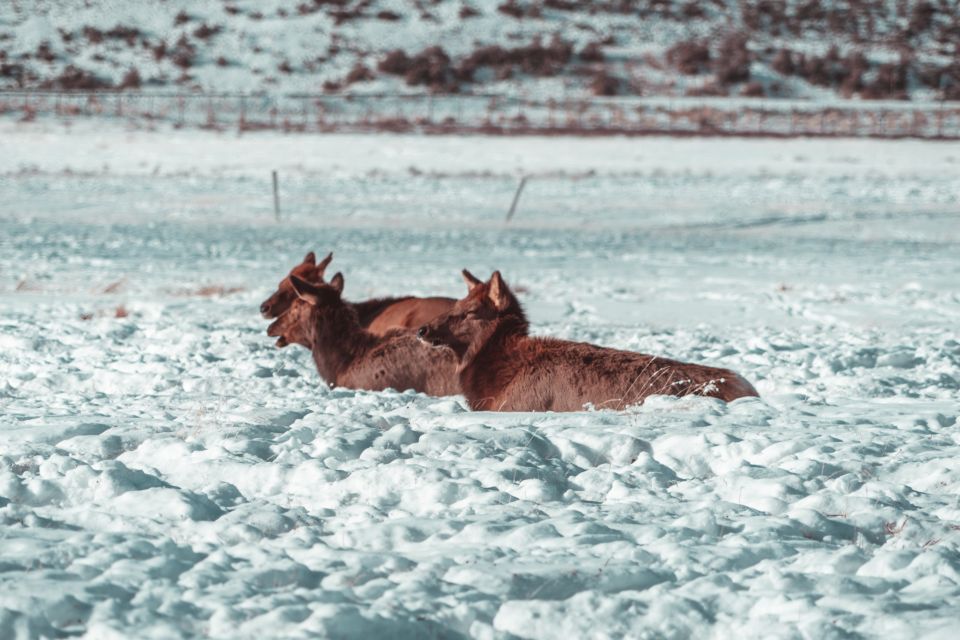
(115, 287)
(207, 291)
(26, 285)
(118, 312)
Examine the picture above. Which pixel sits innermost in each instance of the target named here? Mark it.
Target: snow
(272, 46)
(170, 473)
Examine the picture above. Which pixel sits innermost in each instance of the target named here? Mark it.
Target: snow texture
(166, 472)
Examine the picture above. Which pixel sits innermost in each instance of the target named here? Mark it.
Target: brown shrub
(768, 16)
(395, 63)
(131, 80)
(512, 9)
(752, 90)
(693, 10)
(856, 66)
(689, 57)
(732, 63)
(921, 18)
(536, 59)
(120, 32)
(593, 52)
(466, 11)
(45, 53)
(183, 53)
(359, 73)
(783, 62)
(489, 56)
(811, 11)
(15, 71)
(160, 51)
(708, 90)
(205, 31)
(813, 69)
(890, 82)
(341, 16)
(431, 68)
(389, 16)
(93, 35)
(603, 84)
(76, 79)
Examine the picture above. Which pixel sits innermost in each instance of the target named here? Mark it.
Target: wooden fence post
(276, 196)
(516, 198)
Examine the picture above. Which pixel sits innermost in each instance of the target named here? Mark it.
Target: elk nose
(265, 308)
(422, 332)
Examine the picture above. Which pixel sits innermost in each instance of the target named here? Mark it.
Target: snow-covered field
(170, 473)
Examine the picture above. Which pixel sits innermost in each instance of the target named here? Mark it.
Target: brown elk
(379, 315)
(502, 368)
(348, 355)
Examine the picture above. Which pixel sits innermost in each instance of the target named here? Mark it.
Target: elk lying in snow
(347, 355)
(378, 315)
(502, 368)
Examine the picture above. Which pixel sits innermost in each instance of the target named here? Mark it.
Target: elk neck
(338, 340)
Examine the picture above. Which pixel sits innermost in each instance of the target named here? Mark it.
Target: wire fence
(500, 114)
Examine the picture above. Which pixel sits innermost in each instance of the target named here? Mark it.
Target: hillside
(868, 49)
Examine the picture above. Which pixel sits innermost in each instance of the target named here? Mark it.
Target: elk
(379, 315)
(348, 355)
(502, 368)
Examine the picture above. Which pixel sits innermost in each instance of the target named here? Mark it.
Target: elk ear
(498, 293)
(323, 266)
(471, 280)
(305, 291)
(337, 282)
(310, 258)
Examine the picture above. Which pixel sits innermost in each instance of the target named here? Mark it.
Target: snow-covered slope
(538, 49)
(166, 472)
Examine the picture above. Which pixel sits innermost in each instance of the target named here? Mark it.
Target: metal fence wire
(500, 114)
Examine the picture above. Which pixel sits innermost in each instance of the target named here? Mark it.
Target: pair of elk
(478, 346)
(365, 345)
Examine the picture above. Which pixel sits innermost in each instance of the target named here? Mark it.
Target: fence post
(516, 198)
(276, 196)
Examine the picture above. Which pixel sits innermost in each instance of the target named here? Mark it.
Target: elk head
(282, 299)
(474, 319)
(293, 327)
